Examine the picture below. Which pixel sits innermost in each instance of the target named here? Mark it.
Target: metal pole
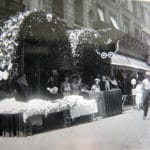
(23, 61)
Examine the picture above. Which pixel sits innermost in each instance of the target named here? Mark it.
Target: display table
(82, 107)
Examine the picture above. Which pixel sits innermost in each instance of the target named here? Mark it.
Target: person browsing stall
(96, 87)
(139, 95)
(52, 87)
(66, 87)
(75, 85)
(105, 85)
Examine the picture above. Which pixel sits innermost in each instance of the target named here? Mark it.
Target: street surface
(127, 131)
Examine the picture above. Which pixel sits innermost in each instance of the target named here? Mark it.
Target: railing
(109, 103)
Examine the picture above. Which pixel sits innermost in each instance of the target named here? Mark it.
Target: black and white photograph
(74, 74)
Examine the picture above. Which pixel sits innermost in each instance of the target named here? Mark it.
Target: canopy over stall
(35, 43)
(36, 28)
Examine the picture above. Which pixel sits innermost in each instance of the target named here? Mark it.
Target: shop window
(78, 12)
(58, 8)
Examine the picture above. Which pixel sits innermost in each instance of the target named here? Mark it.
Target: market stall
(15, 116)
(40, 61)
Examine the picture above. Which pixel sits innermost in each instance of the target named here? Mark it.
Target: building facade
(129, 18)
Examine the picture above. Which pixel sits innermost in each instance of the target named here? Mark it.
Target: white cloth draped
(77, 105)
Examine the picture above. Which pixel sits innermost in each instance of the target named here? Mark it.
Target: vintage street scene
(75, 74)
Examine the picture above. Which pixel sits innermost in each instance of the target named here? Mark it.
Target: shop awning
(120, 60)
(139, 64)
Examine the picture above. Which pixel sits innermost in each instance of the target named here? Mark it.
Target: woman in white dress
(66, 87)
(139, 95)
(96, 87)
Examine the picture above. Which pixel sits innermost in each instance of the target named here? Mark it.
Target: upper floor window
(114, 1)
(100, 14)
(114, 22)
(2, 3)
(142, 14)
(20, 1)
(124, 3)
(58, 8)
(126, 25)
(137, 32)
(135, 7)
(126, 28)
(33, 4)
(78, 4)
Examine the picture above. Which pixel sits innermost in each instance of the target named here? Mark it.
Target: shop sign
(130, 43)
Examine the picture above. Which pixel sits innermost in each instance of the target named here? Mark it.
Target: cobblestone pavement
(127, 131)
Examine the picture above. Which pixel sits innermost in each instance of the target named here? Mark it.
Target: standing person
(84, 89)
(66, 87)
(107, 84)
(96, 87)
(52, 88)
(133, 92)
(102, 83)
(146, 93)
(139, 95)
(22, 86)
(75, 85)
